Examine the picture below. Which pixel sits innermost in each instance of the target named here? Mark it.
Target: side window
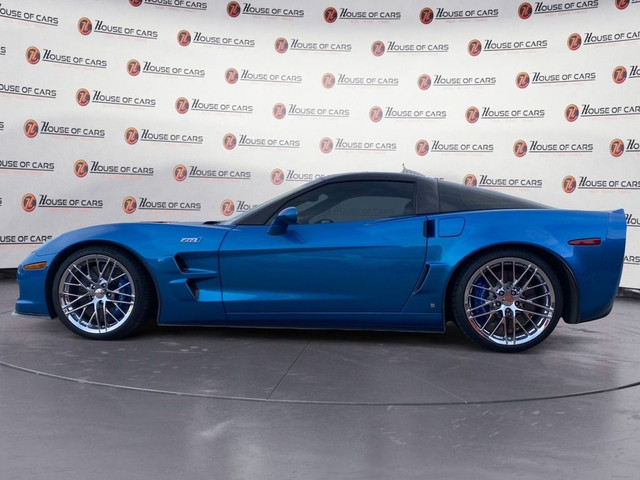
(354, 201)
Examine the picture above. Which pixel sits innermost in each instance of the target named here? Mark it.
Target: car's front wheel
(102, 293)
(507, 301)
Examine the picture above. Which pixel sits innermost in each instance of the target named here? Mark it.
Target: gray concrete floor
(251, 404)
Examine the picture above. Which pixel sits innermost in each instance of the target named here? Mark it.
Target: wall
(195, 110)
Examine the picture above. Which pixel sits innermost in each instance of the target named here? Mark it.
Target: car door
(357, 247)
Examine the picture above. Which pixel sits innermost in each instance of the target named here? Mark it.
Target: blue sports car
(375, 251)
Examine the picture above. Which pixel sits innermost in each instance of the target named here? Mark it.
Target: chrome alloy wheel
(96, 293)
(509, 301)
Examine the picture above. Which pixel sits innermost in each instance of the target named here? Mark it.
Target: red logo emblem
(622, 4)
(616, 147)
(375, 114)
(474, 47)
(182, 105)
(227, 207)
(422, 147)
(279, 111)
(85, 27)
(574, 41)
(330, 15)
(328, 80)
(377, 48)
(525, 10)
(569, 184)
(131, 135)
(523, 80)
(472, 114)
(135, 3)
(619, 74)
(229, 141)
(326, 145)
(133, 67)
(80, 168)
(520, 148)
(30, 128)
(424, 82)
(231, 75)
(426, 16)
(29, 202)
(571, 113)
(129, 205)
(281, 45)
(470, 180)
(184, 38)
(179, 173)
(277, 176)
(83, 97)
(233, 9)
(32, 55)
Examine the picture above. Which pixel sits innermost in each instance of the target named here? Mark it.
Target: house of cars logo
(619, 74)
(377, 48)
(129, 205)
(375, 114)
(424, 82)
(131, 135)
(133, 67)
(277, 176)
(622, 4)
(233, 9)
(470, 180)
(422, 147)
(85, 27)
(326, 145)
(180, 173)
(426, 16)
(330, 15)
(525, 10)
(227, 207)
(184, 38)
(83, 97)
(328, 80)
(229, 141)
(571, 113)
(474, 47)
(472, 114)
(32, 55)
(616, 147)
(29, 202)
(182, 105)
(30, 128)
(135, 3)
(574, 41)
(523, 80)
(569, 184)
(231, 75)
(80, 168)
(279, 111)
(281, 45)
(520, 148)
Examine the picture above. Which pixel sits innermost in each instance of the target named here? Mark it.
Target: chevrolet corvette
(370, 251)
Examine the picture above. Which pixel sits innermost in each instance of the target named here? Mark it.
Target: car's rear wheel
(102, 293)
(508, 300)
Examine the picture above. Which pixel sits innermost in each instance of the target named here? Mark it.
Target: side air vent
(193, 287)
(182, 265)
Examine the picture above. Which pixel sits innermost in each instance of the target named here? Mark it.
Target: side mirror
(286, 217)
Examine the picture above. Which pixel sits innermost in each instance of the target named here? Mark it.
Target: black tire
(507, 301)
(102, 293)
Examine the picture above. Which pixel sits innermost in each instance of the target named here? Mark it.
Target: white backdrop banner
(139, 110)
